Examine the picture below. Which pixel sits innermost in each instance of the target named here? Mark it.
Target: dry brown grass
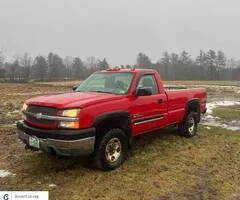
(67, 83)
(162, 165)
(228, 113)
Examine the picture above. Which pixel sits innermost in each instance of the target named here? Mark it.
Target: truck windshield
(107, 82)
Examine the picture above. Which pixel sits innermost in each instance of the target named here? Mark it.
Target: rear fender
(193, 105)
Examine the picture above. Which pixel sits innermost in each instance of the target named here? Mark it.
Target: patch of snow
(7, 125)
(209, 120)
(52, 185)
(214, 104)
(222, 125)
(5, 173)
(210, 117)
(38, 152)
(16, 111)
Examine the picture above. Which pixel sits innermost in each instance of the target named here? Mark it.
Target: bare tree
(68, 61)
(209, 65)
(26, 63)
(2, 70)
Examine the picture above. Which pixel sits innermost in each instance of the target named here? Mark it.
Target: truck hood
(74, 99)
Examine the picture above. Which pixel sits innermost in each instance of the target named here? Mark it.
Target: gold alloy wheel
(113, 150)
(191, 126)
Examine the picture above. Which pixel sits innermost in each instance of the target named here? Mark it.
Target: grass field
(208, 83)
(160, 166)
(228, 113)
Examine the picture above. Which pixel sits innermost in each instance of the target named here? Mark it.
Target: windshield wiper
(100, 91)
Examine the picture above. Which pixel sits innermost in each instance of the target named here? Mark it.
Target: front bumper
(59, 141)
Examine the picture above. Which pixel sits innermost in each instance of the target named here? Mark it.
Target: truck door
(148, 112)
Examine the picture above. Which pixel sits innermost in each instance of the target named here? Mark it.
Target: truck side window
(148, 81)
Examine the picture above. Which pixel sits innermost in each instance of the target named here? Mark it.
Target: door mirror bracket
(144, 91)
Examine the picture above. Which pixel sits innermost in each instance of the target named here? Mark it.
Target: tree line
(51, 67)
(209, 65)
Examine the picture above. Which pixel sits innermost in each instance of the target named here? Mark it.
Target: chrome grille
(43, 110)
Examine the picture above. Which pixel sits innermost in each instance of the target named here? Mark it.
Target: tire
(189, 127)
(111, 150)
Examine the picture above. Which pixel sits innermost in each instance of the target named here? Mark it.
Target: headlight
(70, 113)
(24, 108)
(73, 113)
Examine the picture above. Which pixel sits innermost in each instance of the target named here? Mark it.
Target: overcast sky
(119, 29)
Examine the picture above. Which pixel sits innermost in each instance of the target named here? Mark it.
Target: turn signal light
(64, 124)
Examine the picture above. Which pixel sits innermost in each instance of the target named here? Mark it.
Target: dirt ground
(160, 166)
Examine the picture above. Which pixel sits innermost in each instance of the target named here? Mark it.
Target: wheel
(189, 127)
(111, 151)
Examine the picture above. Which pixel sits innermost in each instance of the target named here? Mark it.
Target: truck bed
(177, 99)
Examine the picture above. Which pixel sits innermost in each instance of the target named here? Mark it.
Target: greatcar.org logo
(24, 195)
(5, 196)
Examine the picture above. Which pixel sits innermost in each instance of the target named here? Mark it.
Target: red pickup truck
(105, 112)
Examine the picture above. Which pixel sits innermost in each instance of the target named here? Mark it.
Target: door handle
(160, 101)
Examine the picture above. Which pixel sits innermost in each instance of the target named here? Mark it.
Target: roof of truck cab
(128, 70)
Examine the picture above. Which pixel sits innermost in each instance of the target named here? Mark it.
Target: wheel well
(193, 106)
(105, 123)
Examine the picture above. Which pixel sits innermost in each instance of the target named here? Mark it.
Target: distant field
(219, 83)
(160, 166)
(59, 83)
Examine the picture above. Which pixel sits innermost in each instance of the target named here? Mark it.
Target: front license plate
(34, 142)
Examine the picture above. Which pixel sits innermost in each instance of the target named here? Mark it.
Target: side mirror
(145, 91)
(74, 87)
